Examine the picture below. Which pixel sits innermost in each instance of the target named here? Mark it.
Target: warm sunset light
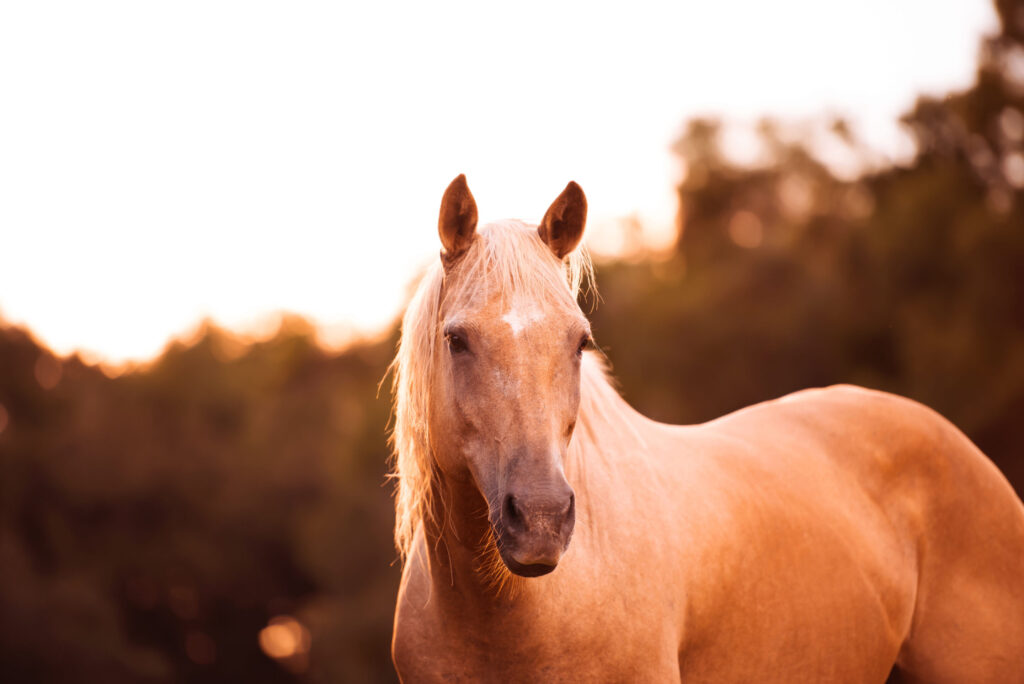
(285, 638)
(781, 394)
(161, 164)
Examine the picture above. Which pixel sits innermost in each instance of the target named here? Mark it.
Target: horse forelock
(506, 259)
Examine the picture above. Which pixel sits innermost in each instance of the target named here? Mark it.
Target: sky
(162, 163)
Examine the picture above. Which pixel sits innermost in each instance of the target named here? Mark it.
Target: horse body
(825, 536)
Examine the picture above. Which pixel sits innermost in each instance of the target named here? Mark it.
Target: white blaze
(519, 318)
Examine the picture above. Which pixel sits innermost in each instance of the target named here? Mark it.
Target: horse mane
(506, 258)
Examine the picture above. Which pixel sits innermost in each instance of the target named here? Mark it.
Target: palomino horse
(834, 535)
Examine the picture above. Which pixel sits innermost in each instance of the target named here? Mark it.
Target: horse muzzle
(533, 531)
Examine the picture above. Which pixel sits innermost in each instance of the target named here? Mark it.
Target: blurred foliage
(152, 524)
(908, 279)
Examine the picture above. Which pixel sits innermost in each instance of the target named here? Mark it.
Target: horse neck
(456, 536)
(609, 436)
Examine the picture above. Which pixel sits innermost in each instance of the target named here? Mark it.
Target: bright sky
(161, 162)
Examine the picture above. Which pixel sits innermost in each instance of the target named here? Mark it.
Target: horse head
(505, 385)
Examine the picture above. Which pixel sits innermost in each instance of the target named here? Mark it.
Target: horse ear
(562, 226)
(457, 223)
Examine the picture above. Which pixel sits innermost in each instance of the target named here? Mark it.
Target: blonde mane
(507, 258)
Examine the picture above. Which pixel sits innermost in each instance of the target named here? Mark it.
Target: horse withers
(550, 533)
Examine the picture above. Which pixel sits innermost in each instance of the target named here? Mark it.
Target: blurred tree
(152, 524)
(907, 279)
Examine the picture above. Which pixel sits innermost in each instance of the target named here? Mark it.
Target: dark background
(152, 524)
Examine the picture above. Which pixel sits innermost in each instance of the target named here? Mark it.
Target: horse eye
(456, 344)
(585, 343)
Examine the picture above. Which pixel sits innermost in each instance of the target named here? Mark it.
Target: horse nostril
(513, 516)
(568, 518)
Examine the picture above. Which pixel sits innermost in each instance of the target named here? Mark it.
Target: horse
(550, 533)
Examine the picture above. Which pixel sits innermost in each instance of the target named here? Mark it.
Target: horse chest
(561, 647)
